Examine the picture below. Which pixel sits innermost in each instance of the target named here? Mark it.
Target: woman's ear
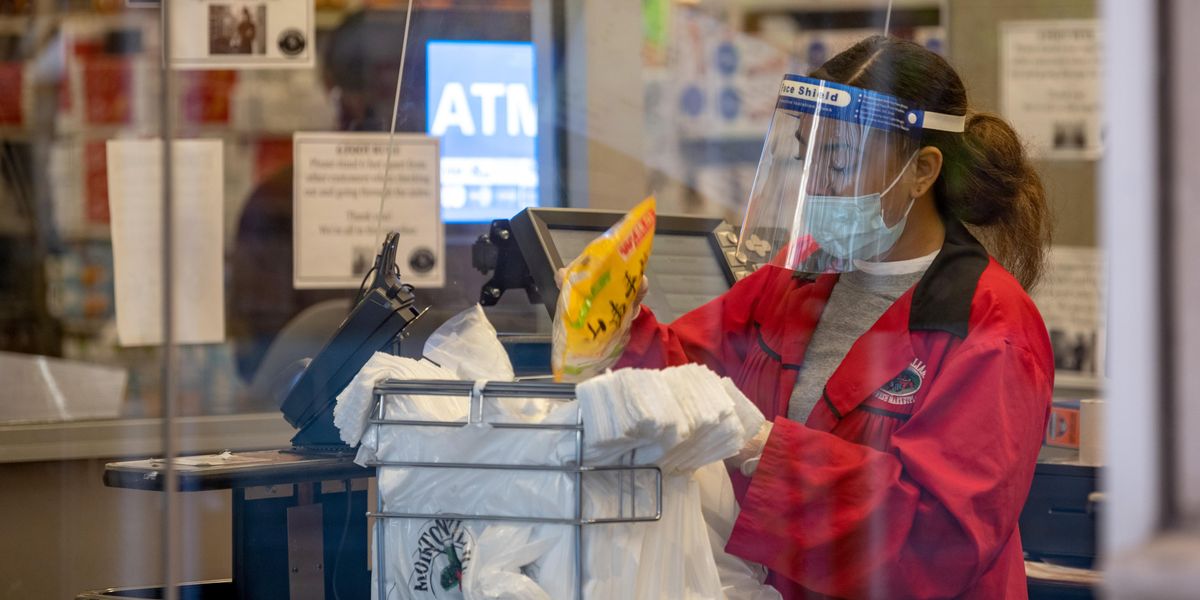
(928, 167)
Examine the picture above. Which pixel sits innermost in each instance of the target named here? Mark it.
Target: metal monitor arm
(497, 252)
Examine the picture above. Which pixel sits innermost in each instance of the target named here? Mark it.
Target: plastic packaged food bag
(596, 303)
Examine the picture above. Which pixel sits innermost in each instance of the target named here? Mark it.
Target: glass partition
(161, 299)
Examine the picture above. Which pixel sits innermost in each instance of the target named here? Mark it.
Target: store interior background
(63, 531)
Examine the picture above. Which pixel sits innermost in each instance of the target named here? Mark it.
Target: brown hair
(986, 181)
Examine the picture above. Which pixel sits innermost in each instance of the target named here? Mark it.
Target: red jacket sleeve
(924, 519)
(715, 334)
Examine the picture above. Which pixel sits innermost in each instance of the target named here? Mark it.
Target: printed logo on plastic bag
(440, 559)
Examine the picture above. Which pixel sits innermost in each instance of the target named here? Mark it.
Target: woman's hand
(746, 460)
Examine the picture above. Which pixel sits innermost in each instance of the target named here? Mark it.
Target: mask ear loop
(912, 200)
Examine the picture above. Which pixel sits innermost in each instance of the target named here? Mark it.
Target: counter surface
(76, 440)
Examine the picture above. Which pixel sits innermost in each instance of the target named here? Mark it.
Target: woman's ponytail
(988, 183)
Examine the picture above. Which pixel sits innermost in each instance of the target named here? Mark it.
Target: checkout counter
(299, 515)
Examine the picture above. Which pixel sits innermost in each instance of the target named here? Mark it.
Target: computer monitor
(692, 261)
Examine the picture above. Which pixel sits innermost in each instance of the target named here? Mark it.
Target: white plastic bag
(501, 553)
(676, 560)
(433, 557)
(740, 579)
(356, 401)
(467, 345)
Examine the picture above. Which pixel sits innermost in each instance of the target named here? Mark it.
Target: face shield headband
(825, 193)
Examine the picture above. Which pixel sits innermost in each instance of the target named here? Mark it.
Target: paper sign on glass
(338, 227)
(1050, 86)
(242, 34)
(1071, 300)
(135, 196)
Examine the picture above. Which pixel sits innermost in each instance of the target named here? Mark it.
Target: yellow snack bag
(595, 305)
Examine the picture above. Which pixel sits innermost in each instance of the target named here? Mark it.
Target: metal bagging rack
(478, 393)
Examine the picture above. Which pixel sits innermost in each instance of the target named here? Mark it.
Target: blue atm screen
(481, 103)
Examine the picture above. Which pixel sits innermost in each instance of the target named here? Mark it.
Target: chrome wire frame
(478, 392)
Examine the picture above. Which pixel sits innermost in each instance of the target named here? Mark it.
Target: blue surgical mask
(852, 227)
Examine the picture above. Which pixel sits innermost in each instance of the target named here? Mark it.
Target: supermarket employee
(906, 371)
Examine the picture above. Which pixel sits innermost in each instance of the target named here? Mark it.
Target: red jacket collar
(940, 301)
(878, 356)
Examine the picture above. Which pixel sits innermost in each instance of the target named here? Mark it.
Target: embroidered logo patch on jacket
(902, 389)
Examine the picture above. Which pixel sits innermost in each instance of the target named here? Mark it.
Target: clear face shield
(827, 190)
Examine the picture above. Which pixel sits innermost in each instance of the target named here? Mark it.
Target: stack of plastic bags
(682, 419)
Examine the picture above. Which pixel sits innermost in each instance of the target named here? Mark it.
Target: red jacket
(909, 476)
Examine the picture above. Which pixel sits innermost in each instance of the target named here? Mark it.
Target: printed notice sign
(135, 199)
(1069, 298)
(339, 181)
(242, 34)
(1050, 86)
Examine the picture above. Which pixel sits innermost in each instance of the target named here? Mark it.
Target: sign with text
(242, 34)
(339, 181)
(481, 104)
(1050, 86)
(1070, 298)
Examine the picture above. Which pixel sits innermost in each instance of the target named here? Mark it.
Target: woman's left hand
(746, 460)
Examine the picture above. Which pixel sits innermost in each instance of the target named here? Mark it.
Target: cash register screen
(684, 270)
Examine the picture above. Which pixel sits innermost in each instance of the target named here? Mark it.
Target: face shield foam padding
(826, 191)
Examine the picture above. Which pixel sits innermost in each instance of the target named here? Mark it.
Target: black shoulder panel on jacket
(943, 296)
